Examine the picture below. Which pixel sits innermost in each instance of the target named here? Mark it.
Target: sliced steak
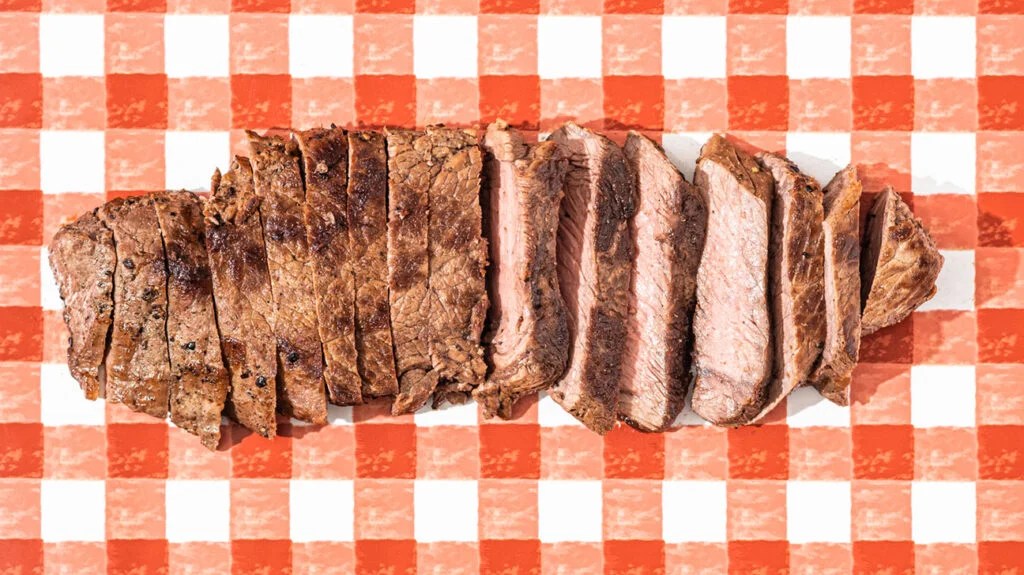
(82, 259)
(368, 215)
(900, 264)
(527, 342)
(595, 259)
(278, 183)
(243, 298)
(797, 275)
(668, 232)
(842, 287)
(137, 365)
(732, 326)
(199, 385)
(325, 158)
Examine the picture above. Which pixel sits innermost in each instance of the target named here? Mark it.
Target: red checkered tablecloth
(924, 473)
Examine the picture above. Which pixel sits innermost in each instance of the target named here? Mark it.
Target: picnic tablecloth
(923, 473)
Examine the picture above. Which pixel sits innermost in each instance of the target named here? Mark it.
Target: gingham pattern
(923, 474)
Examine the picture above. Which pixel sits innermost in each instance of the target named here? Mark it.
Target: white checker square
(449, 414)
(198, 510)
(955, 284)
(550, 414)
(818, 47)
(818, 511)
(49, 293)
(569, 46)
(569, 511)
(196, 45)
(693, 511)
(61, 401)
(805, 407)
(320, 45)
(445, 510)
(444, 46)
(73, 510)
(339, 414)
(683, 149)
(942, 162)
(942, 395)
(819, 154)
(942, 46)
(71, 161)
(321, 510)
(191, 158)
(693, 47)
(943, 511)
(71, 44)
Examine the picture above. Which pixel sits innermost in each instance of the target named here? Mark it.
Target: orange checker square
(383, 509)
(262, 556)
(758, 102)
(695, 104)
(255, 456)
(454, 7)
(19, 42)
(883, 6)
(696, 452)
(70, 6)
(695, 558)
(945, 454)
(509, 6)
(382, 45)
(507, 45)
(447, 452)
(1000, 397)
(1000, 510)
(323, 6)
(754, 142)
(579, 100)
(508, 509)
(632, 454)
(820, 105)
(1000, 557)
(55, 343)
(1001, 335)
(260, 101)
(386, 6)
(19, 275)
(75, 452)
(21, 159)
(893, 344)
(76, 557)
(198, 103)
(514, 99)
(820, 453)
(633, 6)
(385, 100)
(197, 558)
(883, 451)
(21, 337)
(759, 452)
(134, 43)
(502, 557)
(998, 54)
(1000, 219)
(21, 555)
(59, 209)
(198, 6)
(946, 559)
(21, 217)
(134, 160)
(762, 557)
(570, 7)
(576, 558)
(136, 5)
(21, 392)
(386, 450)
(752, 510)
(137, 449)
(634, 556)
(324, 453)
(945, 104)
(1001, 451)
(820, 559)
(1001, 102)
(323, 557)
(510, 451)
(136, 101)
(21, 97)
(634, 102)
(188, 459)
(950, 220)
(74, 103)
(135, 508)
(374, 557)
(456, 558)
(999, 278)
(631, 509)
(19, 509)
(758, 6)
(449, 101)
(882, 159)
(880, 45)
(883, 102)
(997, 164)
(571, 453)
(946, 7)
(114, 412)
(323, 101)
(133, 556)
(889, 557)
(259, 509)
(631, 45)
(820, 7)
(945, 336)
(756, 45)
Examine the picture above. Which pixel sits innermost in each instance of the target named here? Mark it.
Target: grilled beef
(527, 343)
(796, 260)
(367, 212)
(732, 326)
(842, 287)
(325, 157)
(595, 254)
(243, 298)
(199, 383)
(137, 365)
(82, 259)
(900, 264)
(668, 232)
(278, 184)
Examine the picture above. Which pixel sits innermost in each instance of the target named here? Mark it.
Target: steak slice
(368, 215)
(527, 342)
(137, 365)
(797, 274)
(277, 179)
(842, 287)
(668, 233)
(82, 259)
(732, 326)
(325, 157)
(900, 264)
(200, 384)
(595, 260)
(243, 298)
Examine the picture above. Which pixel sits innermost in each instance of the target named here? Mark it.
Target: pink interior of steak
(508, 303)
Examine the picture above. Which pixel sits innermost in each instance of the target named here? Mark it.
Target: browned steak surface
(137, 365)
(668, 232)
(899, 266)
(842, 287)
(325, 159)
(797, 275)
(199, 384)
(527, 342)
(82, 259)
(278, 183)
(243, 298)
(595, 255)
(368, 216)
(732, 326)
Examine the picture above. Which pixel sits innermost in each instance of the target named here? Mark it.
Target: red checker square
(758, 102)
(946, 104)
(20, 509)
(323, 101)
(820, 453)
(631, 45)
(634, 6)
(629, 453)
(135, 508)
(20, 5)
(383, 45)
(883, 102)
(758, 6)
(21, 101)
(696, 452)
(889, 557)
(260, 101)
(378, 410)
(880, 45)
(1001, 102)
(259, 509)
(21, 160)
(695, 558)
(946, 558)
(447, 452)
(198, 103)
(944, 218)
(134, 160)
(893, 344)
(255, 456)
(76, 557)
(580, 100)
(261, 6)
(19, 41)
(515, 99)
(756, 45)
(21, 390)
(137, 449)
(1000, 557)
(386, 100)
(509, 6)
(324, 453)
(136, 101)
(576, 558)
(571, 453)
(634, 102)
(1001, 335)
(762, 557)
(74, 103)
(75, 452)
(760, 452)
(1001, 219)
(945, 336)
(945, 454)
(508, 509)
(753, 510)
(508, 451)
(383, 509)
(998, 54)
(188, 459)
(448, 557)
(820, 105)
(262, 556)
(695, 104)
(883, 6)
(1000, 510)
(21, 217)
(635, 556)
(21, 556)
(813, 558)
(1001, 451)
(134, 43)
(198, 558)
(374, 557)
(999, 278)
(632, 509)
(1000, 7)
(386, 6)
(323, 557)
(883, 451)
(507, 45)
(19, 275)
(1000, 397)
(136, 5)
(134, 556)
(21, 450)
(386, 450)
(449, 101)
(502, 557)
(568, 7)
